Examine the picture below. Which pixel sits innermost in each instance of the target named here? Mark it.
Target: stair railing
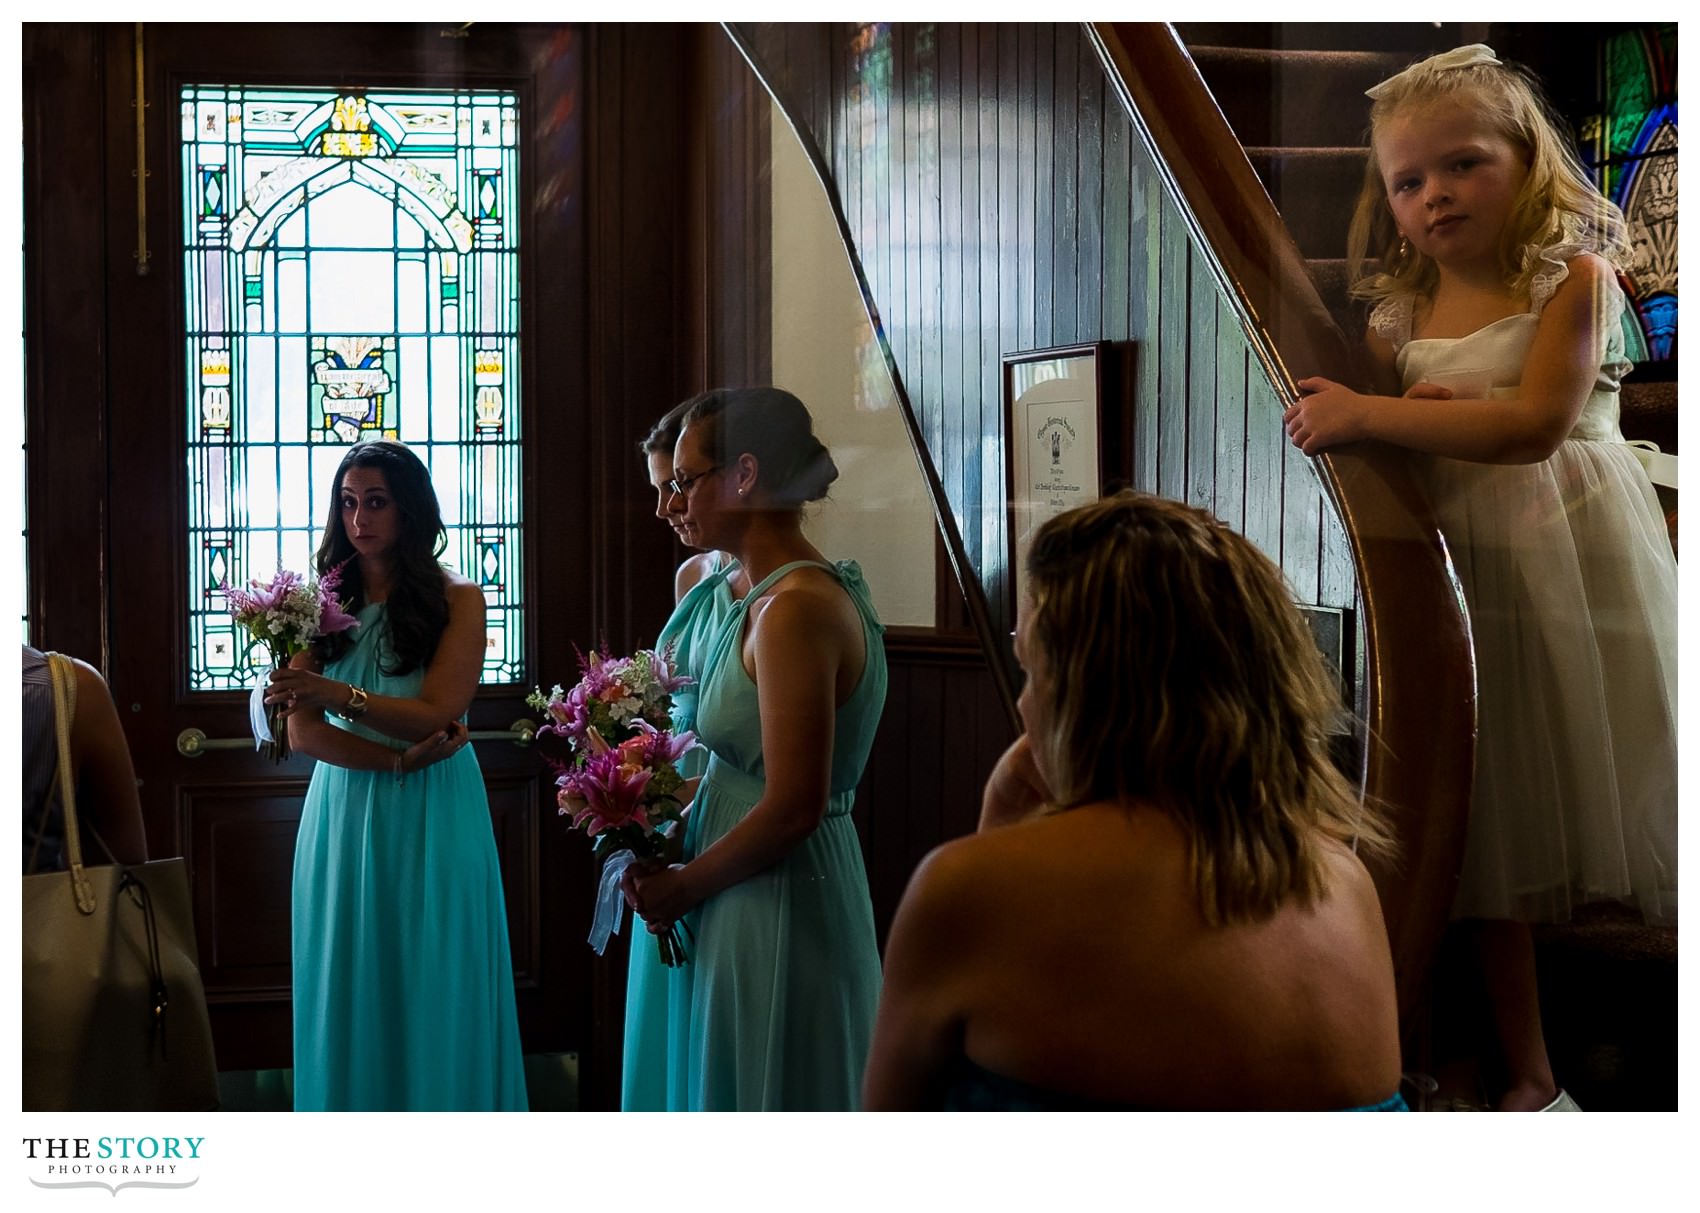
(1421, 704)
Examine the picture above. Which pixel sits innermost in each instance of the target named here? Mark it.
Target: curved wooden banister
(1421, 693)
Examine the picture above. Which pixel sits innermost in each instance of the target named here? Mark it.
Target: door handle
(192, 742)
(521, 732)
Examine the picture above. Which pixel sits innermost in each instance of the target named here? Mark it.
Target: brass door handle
(521, 732)
(192, 742)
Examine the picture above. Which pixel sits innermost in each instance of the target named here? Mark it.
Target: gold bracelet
(355, 708)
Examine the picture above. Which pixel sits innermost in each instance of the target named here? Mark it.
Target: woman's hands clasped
(446, 742)
(660, 894)
(300, 691)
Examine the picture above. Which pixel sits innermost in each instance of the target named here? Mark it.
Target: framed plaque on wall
(1053, 406)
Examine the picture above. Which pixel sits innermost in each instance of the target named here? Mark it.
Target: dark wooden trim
(1421, 702)
(65, 337)
(634, 216)
(928, 646)
(727, 181)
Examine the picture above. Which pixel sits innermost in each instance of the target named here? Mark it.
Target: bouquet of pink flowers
(623, 786)
(286, 615)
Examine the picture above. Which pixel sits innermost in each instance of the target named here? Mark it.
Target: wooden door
(232, 813)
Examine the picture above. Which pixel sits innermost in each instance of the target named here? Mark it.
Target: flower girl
(1498, 315)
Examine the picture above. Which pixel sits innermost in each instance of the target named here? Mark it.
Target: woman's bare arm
(445, 694)
(919, 1030)
(1015, 789)
(311, 734)
(106, 777)
(799, 645)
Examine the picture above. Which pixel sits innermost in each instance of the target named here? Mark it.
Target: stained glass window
(1631, 148)
(351, 271)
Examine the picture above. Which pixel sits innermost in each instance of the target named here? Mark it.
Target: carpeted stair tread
(1280, 96)
(1609, 931)
(1412, 37)
(1647, 410)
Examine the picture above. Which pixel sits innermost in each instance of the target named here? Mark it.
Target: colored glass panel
(351, 271)
(1630, 145)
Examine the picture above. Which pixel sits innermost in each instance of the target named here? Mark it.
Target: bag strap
(64, 708)
(132, 883)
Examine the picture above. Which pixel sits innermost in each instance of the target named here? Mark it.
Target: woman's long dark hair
(418, 605)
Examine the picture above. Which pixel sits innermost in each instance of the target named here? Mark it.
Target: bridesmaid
(776, 1009)
(704, 589)
(404, 991)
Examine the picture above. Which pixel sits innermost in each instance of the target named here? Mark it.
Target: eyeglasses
(682, 486)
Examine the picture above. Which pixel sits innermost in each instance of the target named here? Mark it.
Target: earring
(1404, 249)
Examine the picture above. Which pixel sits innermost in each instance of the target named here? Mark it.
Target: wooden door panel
(241, 852)
(513, 812)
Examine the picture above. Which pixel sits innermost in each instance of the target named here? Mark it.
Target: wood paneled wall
(1000, 200)
(942, 731)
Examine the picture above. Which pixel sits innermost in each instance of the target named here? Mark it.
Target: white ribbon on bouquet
(257, 711)
(610, 901)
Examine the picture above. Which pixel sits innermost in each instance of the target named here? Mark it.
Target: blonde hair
(1558, 204)
(1178, 673)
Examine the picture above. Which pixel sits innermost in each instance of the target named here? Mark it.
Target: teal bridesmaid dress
(776, 1010)
(690, 630)
(404, 991)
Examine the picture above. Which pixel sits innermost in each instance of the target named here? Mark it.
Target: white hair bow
(1474, 55)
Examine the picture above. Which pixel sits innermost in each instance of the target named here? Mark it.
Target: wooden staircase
(1293, 95)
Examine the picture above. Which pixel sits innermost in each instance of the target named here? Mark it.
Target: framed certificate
(1053, 402)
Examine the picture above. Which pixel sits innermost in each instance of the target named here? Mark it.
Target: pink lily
(612, 794)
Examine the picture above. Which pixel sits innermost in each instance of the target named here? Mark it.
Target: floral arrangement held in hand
(623, 786)
(286, 615)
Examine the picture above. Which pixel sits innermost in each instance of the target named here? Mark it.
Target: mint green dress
(775, 1012)
(404, 991)
(690, 630)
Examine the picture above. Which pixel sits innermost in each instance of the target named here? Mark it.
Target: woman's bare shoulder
(806, 600)
(461, 590)
(956, 879)
(1346, 874)
(989, 866)
(692, 572)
